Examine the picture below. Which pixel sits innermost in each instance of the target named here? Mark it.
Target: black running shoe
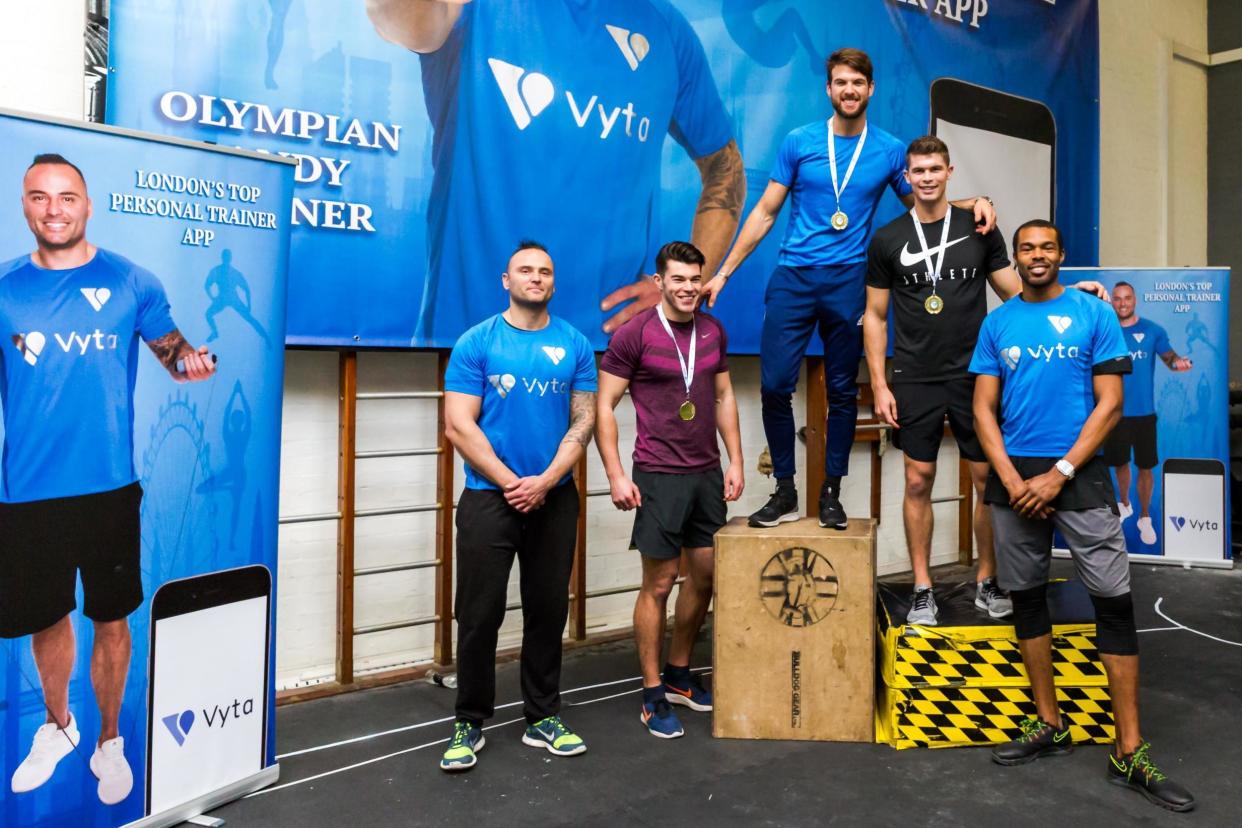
(782, 507)
(1139, 772)
(831, 513)
(1038, 739)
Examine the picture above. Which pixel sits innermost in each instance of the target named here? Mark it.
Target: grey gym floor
(1190, 701)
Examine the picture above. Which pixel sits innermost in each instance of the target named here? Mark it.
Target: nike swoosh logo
(1060, 737)
(909, 259)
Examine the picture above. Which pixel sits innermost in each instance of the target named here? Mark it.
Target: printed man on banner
(71, 315)
(563, 106)
(1135, 434)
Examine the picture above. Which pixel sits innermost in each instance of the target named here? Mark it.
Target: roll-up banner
(594, 126)
(1170, 453)
(138, 522)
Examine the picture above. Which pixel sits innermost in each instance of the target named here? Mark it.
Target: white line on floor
(1181, 626)
(445, 719)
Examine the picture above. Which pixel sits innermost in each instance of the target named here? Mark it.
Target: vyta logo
(179, 725)
(98, 297)
(634, 47)
(527, 93)
(30, 345)
(1139, 337)
(1180, 523)
(1011, 355)
(554, 354)
(1061, 323)
(502, 383)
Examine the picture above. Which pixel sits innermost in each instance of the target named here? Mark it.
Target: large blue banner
(1170, 452)
(595, 126)
(194, 687)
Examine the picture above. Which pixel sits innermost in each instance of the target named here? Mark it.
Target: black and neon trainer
(1136, 770)
(831, 512)
(1038, 739)
(782, 507)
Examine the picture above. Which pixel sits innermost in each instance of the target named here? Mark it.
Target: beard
(530, 305)
(862, 110)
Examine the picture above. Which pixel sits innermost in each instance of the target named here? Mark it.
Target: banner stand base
(218, 797)
(204, 820)
(1161, 560)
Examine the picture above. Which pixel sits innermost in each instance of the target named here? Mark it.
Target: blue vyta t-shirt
(1046, 354)
(550, 118)
(68, 359)
(525, 379)
(1146, 341)
(802, 166)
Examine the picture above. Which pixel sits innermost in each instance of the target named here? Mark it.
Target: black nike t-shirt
(935, 347)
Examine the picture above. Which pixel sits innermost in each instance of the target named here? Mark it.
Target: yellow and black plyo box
(795, 632)
(962, 682)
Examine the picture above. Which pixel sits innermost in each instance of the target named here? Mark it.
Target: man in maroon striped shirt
(672, 359)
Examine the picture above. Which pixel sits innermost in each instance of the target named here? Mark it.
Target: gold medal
(686, 412)
(840, 220)
(933, 304)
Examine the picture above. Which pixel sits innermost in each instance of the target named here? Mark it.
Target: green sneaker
(553, 734)
(466, 742)
(1139, 772)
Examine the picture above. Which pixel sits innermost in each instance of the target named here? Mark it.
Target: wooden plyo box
(795, 632)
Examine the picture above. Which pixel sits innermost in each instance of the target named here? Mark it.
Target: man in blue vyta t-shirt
(1136, 433)
(549, 119)
(71, 315)
(820, 274)
(519, 396)
(1048, 389)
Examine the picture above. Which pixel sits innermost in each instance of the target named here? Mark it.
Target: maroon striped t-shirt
(641, 351)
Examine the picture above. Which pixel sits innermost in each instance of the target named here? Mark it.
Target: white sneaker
(108, 763)
(1126, 510)
(51, 744)
(1146, 532)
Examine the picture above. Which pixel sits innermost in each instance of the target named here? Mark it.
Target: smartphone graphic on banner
(1001, 146)
(1194, 509)
(207, 705)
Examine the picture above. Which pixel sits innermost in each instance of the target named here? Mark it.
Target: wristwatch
(1066, 468)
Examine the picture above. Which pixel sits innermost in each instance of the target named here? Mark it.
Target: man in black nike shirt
(932, 264)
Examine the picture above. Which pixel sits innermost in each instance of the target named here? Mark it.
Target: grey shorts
(1024, 549)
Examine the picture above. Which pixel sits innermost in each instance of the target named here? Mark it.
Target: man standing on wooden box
(1049, 365)
(835, 174)
(519, 401)
(932, 265)
(672, 360)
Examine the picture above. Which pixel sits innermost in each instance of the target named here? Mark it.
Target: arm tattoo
(169, 348)
(581, 417)
(724, 181)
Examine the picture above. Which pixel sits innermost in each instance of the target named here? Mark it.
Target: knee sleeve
(1115, 633)
(1031, 618)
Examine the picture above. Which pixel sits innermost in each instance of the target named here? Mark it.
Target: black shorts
(1133, 433)
(921, 409)
(44, 544)
(679, 511)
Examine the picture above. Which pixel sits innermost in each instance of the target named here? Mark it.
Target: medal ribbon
(933, 270)
(832, 162)
(687, 371)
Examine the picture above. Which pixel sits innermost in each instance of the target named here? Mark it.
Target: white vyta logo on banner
(98, 297)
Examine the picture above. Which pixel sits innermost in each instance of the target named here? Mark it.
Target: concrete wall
(1153, 136)
(1224, 166)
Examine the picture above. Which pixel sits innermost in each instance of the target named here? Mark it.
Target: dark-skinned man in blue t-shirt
(1048, 390)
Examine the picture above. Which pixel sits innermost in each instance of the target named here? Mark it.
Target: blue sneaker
(554, 735)
(688, 692)
(466, 742)
(661, 720)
